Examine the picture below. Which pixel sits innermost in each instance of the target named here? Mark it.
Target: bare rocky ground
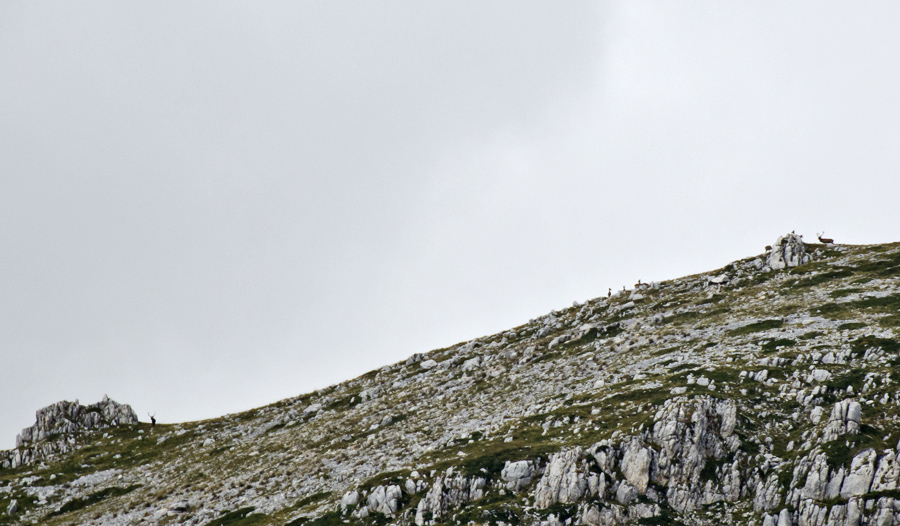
(763, 393)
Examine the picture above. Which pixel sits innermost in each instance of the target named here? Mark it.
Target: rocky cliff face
(764, 393)
(56, 426)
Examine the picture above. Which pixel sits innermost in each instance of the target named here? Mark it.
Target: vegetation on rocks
(762, 393)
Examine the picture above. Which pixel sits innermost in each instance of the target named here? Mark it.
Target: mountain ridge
(737, 396)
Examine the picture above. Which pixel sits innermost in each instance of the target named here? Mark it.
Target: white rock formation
(787, 251)
(517, 475)
(564, 480)
(844, 420)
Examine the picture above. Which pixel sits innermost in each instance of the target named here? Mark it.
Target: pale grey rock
(810, 513)
(591, 516)
(562, 480)
(818, 375)
(815, 415)
(816, 479)
(844, 420)
(785, 518)
(428, 364)
(689, 433)
(448, 492)
(351, 498)
(837, 516)
(833, 489)
(768, 494)
(517, 475)
(787, 251)
(626, 493)
(559, 340)
(384, 499)
(888, 472)
(636, 466)
(859, 477)
(415, 358)
(371, 393)
(13, 507)
(471, 363)
(66, 418)
(410, 486)
(717, 280)
(605, 457)
(608, 515)
(312, 409)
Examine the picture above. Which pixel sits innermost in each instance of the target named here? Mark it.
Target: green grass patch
(844, 292)
(241, 517)
(841, 451)
(889, 322)
(721, 376)
(563, 512)
(882, 267)
(331, 518)
(385, 479)
(855, 377)
(683, 317)
(759, 326)
(851, 326)
(683, 367)
(89, 500)
(715, 298)
(316, 497)
(870, 342)
(663, 352)
(660, 520)
(888, 304)
(834, 311)
(773, 345)
(823, 277)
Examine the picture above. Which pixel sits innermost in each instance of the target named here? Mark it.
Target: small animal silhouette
(825, 240)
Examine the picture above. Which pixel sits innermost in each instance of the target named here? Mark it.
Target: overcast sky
(210, 206)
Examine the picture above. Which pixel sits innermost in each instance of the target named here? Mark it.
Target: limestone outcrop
(55, 426)
(787, 251)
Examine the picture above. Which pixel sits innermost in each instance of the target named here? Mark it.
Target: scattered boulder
(312, 409)
(428, 364)
(787, 251)
(384, 500)
(351, 498)
(517, 475)
(471, 363)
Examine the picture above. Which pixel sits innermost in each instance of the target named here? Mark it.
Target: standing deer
(825, 240)
(152, 419)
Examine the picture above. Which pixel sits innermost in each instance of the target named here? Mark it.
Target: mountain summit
(763, 393)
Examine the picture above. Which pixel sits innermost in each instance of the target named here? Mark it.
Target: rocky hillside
(763, 393)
